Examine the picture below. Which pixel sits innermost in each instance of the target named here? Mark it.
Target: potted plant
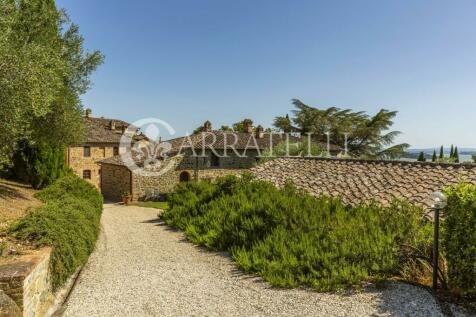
(126, 198)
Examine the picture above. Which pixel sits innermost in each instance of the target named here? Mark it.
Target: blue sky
(186, 61)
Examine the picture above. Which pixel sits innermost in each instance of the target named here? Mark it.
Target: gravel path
(143, 268)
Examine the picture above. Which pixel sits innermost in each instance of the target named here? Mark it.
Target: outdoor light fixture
(439, 202)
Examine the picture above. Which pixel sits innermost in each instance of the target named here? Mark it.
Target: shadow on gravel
(153, 220)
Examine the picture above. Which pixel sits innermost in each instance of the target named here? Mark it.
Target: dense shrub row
(69, 221)
(291, 238)
(459, 237)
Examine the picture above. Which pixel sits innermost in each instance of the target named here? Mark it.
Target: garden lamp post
(439, 202)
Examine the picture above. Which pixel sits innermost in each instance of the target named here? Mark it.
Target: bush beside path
(141, 267)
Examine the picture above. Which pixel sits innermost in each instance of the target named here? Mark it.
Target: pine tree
(456, 155)
(434, 158)
(421, 157)
(442, 153)
(452, 151)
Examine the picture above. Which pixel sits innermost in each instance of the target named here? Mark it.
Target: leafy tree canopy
(43, 71)
(367, 136)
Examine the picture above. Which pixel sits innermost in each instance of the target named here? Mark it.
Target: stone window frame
(115, 150)
(86, 174)
(86, 151)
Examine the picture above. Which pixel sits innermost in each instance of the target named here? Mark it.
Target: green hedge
(69, 221)
(291, 238)
(459, 237)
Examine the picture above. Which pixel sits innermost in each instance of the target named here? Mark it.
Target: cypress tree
(421, 157)
(452, 151)
(456, 155)
(434, 158)
(442, 153)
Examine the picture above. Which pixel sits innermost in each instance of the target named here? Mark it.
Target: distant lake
(462, 158)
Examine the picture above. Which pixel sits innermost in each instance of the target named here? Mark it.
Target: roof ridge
(415, 163)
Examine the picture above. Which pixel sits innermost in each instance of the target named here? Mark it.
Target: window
(215, 160)
(116, 150)
(87, 151)
(184, 176)
(87, 174)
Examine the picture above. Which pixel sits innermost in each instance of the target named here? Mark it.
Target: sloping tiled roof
(98, 130)
(357, 181)
(240, 141)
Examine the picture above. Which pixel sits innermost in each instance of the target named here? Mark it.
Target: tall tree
(442, 153)
(452, 151)
(421, 157)
(456, 155)
(434, 157)
(43, 71)
(367, 136)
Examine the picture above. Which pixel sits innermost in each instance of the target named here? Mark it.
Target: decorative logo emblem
(142, 150)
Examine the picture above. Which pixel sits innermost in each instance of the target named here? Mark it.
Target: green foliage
(434, 158)
(459, 237)
(38, 165)
(43, 71)
(69, 221)
(291, 238)
(368, 136)
(421, 157)
(442, 153)
(456, 155)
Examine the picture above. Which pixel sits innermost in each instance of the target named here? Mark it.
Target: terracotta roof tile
(357, 181)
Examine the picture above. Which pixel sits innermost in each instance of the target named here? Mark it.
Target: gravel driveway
(143, 268)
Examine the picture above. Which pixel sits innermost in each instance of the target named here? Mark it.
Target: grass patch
(291, 238)
(69, 221)
(152, 204)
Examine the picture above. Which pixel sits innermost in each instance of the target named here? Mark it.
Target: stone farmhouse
(205, 155)
(102, 141)
(191, 158)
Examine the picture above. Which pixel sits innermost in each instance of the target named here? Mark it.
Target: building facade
(102, 141)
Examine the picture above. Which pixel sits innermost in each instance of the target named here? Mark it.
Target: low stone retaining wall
(26, 280)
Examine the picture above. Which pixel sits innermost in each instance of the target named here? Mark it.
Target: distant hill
(465, 154)
(467, 151)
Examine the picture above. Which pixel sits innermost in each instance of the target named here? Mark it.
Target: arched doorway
(184, 176)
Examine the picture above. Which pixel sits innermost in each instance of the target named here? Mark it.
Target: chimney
(207, 126)
(259, 132)
(112, 125)
(247, 126)
(88, 113)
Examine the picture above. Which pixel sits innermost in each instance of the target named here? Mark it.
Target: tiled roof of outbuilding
(357, 181)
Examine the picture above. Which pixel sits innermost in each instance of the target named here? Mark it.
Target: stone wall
(79, 163)
(116, 180)
(26, 280)
(231, 161)
(165, 182)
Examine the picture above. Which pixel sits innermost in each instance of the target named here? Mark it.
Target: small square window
(87, 151)
(116, 150)
(87, 174)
